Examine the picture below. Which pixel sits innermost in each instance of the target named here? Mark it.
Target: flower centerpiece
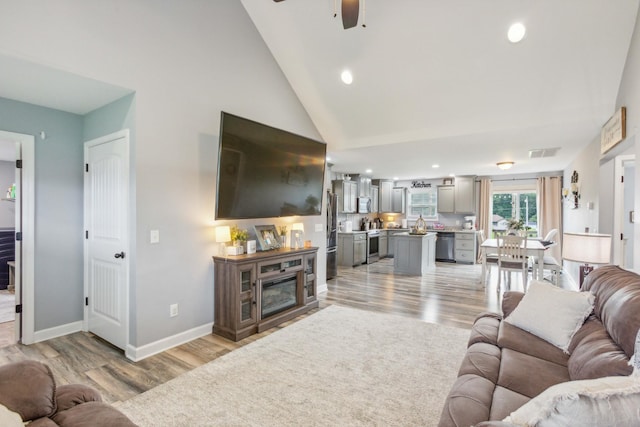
(283, 235)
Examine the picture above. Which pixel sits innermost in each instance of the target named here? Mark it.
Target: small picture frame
(267, 236)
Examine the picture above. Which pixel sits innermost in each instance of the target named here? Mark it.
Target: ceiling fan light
(505, 165)
(347, 77)
(516, 32)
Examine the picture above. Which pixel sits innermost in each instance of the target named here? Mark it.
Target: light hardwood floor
(450, 295)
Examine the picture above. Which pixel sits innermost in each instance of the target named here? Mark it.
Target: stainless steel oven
(373, 242)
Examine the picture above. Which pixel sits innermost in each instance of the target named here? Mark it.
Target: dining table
(534, 248)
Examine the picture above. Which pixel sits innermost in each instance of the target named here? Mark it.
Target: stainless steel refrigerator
(332, 235)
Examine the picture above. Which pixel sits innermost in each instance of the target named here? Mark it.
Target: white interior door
(628, 219)
(106, 257)
(18, 244)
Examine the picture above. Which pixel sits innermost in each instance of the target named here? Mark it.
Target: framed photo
(267, 237)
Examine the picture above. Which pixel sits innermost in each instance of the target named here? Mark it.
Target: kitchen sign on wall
(614, 131)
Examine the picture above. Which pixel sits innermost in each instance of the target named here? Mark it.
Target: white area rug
(7, 307)
(338, 367)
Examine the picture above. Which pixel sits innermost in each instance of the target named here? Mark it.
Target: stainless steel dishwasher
(446, 247)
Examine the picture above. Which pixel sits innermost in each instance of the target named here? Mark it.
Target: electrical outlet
(318, 227)
(173, 310)
(154, 236)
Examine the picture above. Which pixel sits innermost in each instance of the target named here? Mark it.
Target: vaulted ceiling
(437, 82)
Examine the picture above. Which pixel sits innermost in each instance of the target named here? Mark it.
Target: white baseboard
(138, 353)
(323, 288)
(58, 331)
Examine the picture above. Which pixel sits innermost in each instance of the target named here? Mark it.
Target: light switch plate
(318, 227)
(154, 236)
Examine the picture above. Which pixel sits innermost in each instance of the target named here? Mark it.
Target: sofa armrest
(70, 395)
(495, 424)
(510, 300)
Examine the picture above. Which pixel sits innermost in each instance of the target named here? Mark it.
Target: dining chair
(512, 256)
(548, 262)
(492, 258)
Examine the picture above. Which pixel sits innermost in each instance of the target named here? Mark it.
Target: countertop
(407, 234)
(406, 230)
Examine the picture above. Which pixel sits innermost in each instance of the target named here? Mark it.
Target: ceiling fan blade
(278, 1)
(350, 10)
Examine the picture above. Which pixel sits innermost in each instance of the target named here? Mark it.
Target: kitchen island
(414, 254)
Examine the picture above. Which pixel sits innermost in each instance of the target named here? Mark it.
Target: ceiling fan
(350, 11)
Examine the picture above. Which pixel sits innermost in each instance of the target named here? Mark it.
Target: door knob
(120, 255)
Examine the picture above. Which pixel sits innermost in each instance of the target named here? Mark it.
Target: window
(519, 205)
(423, 203)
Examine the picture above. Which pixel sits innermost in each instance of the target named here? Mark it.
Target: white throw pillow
(608, 401)
(551, 313)
(9, 418)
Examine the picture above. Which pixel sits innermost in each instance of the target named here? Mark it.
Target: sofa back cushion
(594, 354)
(617, 303)
(28, 388)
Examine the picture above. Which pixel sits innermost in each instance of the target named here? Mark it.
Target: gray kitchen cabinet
(465, 201)
(347, 192)
(398, 199)
(385, 195)
(352, 248)
(466, 247)
(374, 199)
(458, 197)
(446, 198)
(383, 244)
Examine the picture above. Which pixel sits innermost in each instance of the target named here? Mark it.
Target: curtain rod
(520, 179)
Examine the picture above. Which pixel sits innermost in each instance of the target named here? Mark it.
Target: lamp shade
(298, 226)
(586, 247)
(223, 234)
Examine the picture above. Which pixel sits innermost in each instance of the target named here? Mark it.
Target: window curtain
(484, 211)
(550, 211)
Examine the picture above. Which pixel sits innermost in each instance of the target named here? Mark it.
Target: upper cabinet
(446, 199)
(458, 198)
(347, 192)
(465, 194)
(385, 195)
(398, 199)
(374, 199)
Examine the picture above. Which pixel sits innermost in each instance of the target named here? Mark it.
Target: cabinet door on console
(247, 313)
(310, 282)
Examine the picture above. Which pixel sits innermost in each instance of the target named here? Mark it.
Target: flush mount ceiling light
(347, 77)
(505, 165)
(516, 32)
(368, 171)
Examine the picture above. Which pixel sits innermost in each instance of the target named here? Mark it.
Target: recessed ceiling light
(328, 159)
(505, 165)
(516, 32)
(395, 178)
(452, 175)
(347, 77)
(435, 166)
(368, 171)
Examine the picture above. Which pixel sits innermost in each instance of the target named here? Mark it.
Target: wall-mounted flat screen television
(265, 172)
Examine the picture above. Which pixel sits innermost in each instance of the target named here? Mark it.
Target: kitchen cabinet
(352, 248)
(364, 186)
(459, 197)
(256, 292)
(415, 254)
(446, 198)
(374, 199)
(465, 251)
(465, 201)
(347, 192)
(398, 196)
(383, 244)
(385, 195)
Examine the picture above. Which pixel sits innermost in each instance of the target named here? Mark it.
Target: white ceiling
(438, 82)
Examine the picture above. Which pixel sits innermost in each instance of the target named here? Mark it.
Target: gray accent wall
(58, 209)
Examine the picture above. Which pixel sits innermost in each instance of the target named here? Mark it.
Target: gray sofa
(505, 366)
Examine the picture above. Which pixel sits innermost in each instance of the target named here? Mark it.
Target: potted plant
(238, 237)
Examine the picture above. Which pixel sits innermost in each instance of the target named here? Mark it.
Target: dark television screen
(266, 172)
